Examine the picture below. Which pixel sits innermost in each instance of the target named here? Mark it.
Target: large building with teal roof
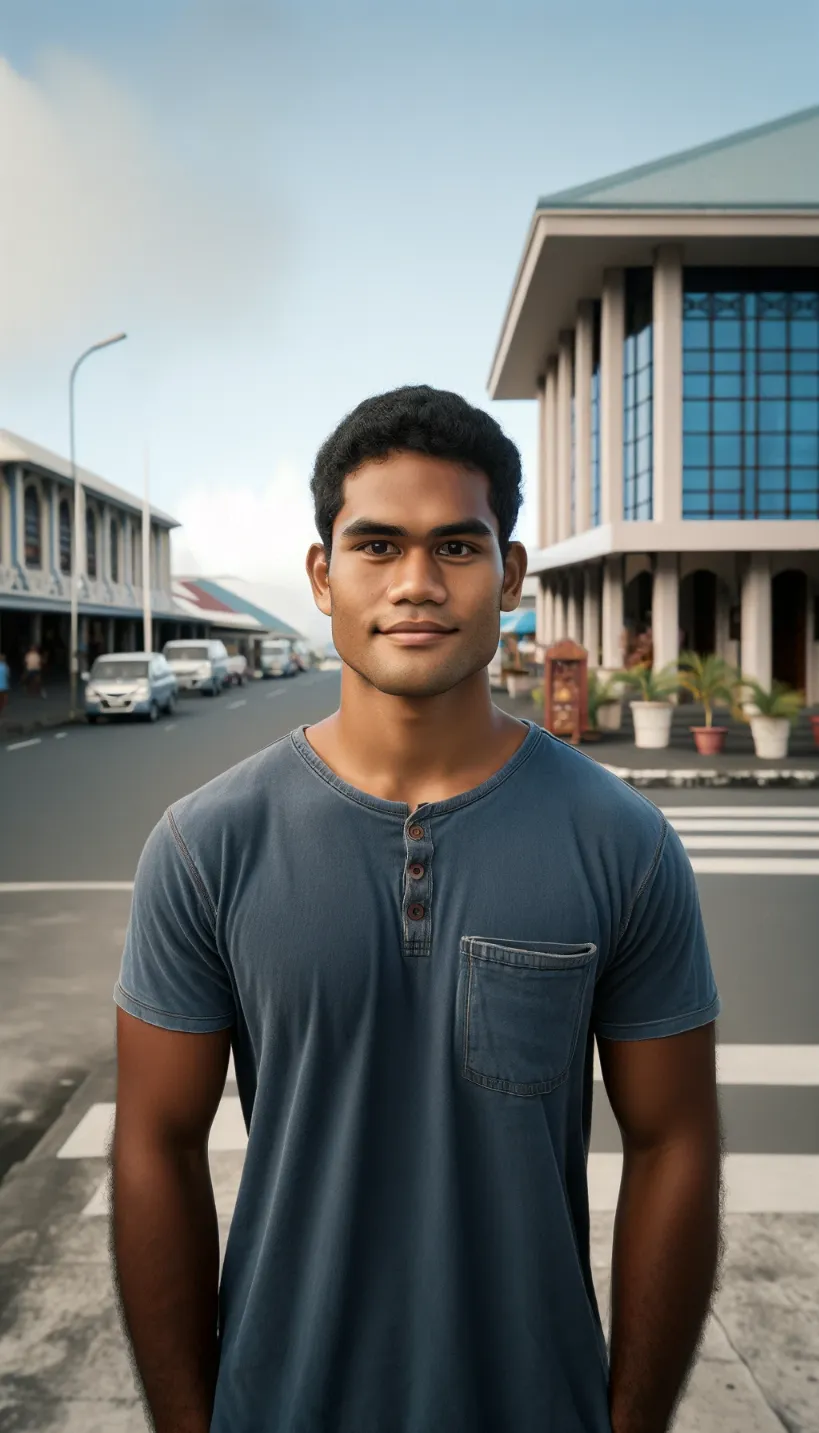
(666, 320)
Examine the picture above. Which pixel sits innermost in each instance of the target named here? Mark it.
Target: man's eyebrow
(368, 527)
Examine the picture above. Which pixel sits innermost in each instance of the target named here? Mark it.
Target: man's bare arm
(164, 1232)
(667, 1229)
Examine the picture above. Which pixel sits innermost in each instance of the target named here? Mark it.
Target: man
(33, 671)
(411, 921)
(4, 683)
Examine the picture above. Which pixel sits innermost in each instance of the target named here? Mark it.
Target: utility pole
(75, 568)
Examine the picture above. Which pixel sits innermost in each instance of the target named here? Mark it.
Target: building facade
(667, 321)
(36, 535)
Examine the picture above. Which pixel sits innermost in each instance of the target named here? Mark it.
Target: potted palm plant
(604, 706)
(770, 712)
(712, 682)
(652, 709)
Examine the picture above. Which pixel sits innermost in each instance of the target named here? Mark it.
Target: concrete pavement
(79, 810)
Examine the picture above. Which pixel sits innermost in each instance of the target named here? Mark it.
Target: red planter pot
(709, 740)
(814, 721)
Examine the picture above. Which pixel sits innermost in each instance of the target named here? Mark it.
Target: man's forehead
(407, 483)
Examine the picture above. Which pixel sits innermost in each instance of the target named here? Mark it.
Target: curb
(699, 776)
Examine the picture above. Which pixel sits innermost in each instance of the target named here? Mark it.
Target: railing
(57, 587)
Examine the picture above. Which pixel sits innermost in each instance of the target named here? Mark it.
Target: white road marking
(171, 726)
(60, 735)
(90, 1138)
(711, 823)
(231, 706)
(754, 1183)
(277, 691)
(672, 812)
(27, 888)
(760, 1065)
(717, 842)
(752, 866)
(18, 745)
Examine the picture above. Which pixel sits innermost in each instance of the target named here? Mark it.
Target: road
(76, 810)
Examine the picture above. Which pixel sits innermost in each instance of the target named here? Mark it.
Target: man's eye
(456, 549)
(378, 548)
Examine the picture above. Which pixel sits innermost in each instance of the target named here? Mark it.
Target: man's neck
(416, 751)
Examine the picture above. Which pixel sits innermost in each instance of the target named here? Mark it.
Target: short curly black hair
(418, 420)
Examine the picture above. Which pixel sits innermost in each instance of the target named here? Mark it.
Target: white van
(199, 664)
(277, 657)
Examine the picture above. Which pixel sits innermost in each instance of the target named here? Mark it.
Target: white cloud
(104, 222)
(259, 534)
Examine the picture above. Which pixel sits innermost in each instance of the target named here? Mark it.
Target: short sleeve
(172, 974)
(659, 980)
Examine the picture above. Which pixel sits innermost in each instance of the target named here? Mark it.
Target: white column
(546, 628)
(79, 526)
(565, 355)
(583, 364)
(19, 540)
(755, 641)
(665, 609)
(591, 615)
(667, 362)
(542, 524)
(550, 456)
(612, 333)
(612, 614)
(574, 616)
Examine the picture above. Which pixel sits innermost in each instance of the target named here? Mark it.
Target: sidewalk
(680, 765)
(63, 1361)
(25, 715)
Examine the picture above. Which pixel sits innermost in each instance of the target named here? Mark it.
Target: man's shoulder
(238, 796)
(599, 800)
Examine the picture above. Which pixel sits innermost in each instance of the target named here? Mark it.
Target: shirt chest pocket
(519, 1011)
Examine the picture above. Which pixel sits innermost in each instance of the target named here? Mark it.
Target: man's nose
(417, 578)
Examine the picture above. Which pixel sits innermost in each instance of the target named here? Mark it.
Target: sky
(289, 206)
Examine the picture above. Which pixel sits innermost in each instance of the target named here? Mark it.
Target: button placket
(417, 914)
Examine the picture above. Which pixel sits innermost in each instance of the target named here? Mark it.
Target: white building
(667, 321)
(36, 527)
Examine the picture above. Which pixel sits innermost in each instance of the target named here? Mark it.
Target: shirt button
(416, 870)
(416, 913)
(417, 833)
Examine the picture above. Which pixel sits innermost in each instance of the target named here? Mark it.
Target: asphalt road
(77, 807)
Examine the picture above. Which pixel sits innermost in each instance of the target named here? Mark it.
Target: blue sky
(289, 206)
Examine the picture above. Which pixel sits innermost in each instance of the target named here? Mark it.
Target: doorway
(698, 612)
(789, 611)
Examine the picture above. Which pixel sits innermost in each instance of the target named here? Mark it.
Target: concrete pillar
(612, 334)
(18, 541)
(548, 614)
(79, 530)
(565, 356)
(583, 364)
(612, 613)
(667, 355)
(665, 609)
(591, 615)
(755, 640)
(542, 523)
(574, 620)
(550, 455)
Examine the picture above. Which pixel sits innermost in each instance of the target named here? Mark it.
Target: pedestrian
(411, 921)
(4, 683)
(32, 671)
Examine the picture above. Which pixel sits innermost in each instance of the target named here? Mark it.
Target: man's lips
(416, 634)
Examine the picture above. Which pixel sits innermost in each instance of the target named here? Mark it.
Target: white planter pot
(609, 716)
(770, 737)
(519, 686)
(652, 723)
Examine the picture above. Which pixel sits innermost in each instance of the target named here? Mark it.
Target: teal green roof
(775, 165)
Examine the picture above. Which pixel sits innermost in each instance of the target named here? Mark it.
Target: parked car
(237, 669)
(130, 684)
(278, 657)
(199, 665)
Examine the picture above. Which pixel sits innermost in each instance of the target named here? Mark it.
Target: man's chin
(416, 682)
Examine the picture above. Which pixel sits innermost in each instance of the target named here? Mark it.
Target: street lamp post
(74, 669)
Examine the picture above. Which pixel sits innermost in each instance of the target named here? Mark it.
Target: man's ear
(318, 571)
(514, 571)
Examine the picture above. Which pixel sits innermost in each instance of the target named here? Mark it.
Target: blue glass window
(751, 393)
(638, 384)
